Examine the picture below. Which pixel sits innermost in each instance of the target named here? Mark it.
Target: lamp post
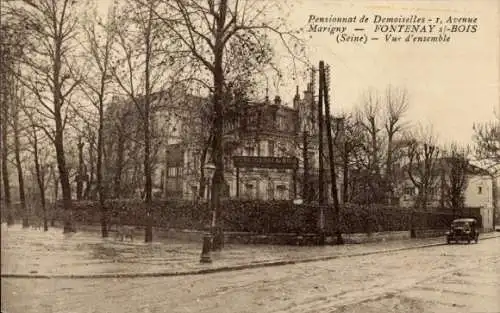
(208, 237)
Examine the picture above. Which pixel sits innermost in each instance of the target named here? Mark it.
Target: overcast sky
(450, 85)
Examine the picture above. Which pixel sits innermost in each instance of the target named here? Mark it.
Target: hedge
(263, 217)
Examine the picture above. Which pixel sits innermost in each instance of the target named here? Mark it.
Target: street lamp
(209, 169)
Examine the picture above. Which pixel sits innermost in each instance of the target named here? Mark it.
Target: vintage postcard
(250, 156)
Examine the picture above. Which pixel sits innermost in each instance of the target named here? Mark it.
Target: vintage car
(463, 229)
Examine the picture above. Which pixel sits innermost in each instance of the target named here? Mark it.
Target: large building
(264, 152)
(260, 130)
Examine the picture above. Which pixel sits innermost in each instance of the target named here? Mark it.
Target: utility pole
(321, 191)
(335, 196)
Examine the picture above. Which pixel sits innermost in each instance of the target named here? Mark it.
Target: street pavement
(29, 252)
(439, 279)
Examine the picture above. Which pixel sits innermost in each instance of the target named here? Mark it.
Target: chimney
(296, 99)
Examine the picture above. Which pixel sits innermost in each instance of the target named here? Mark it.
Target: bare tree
(41, 165)
(396, 105)
(348, 140)
(455, 169)
(17, 132)
(9, 53)
(368, 117)
(55, 184)
(100, 39)
(5, 169)
(423, 165)
(116, 129)
(49, 73)
(91, 148)
(143, 69)
(487, 139)
(208, 30)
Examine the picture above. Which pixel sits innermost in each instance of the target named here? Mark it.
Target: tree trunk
(100, 153)
(388, 182)
(148, 236)
(88, 194)
(345, 178)
(203, 160)
(218, 123)
(56, 195)
(373, 134)
(218, 178)
(64, 179)
(59, 133)
(81, 176)
(19, 166)
(147, 172)
(40, 180)
(120, 151)
(5, 170)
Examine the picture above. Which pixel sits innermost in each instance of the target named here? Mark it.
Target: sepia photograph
(248, 156)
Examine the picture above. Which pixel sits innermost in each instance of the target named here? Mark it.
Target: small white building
(478, 193)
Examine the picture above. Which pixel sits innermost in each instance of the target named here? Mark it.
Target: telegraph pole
(321, 190)
(333, 177)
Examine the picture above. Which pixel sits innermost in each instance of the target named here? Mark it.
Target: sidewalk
(34, 253)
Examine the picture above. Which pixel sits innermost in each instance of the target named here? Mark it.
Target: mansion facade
(264, 151)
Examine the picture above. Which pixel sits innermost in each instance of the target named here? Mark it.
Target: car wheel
(468, 241)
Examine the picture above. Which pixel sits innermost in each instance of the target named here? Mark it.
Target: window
(282, 123)
(172, 171)
(270, 146)
(270, 191)
(281, 192)
(249, 191)
(250, 151)
(479, 190)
